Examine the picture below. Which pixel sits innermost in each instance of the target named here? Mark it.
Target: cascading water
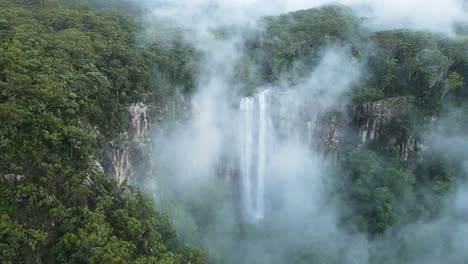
(253, 153)
(262, 132)
(245, 155)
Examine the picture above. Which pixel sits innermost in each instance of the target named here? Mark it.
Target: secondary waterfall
(253, 133)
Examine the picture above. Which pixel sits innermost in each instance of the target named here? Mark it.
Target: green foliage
(112, 225)
(293, 42)
(376, 191)
(67, 75)
(177, 65)
(380, 195)
(432, 64)
(420, 64)
(18, 242)
(366, 94)
(399, 62)
(453, 82)
(69, 72)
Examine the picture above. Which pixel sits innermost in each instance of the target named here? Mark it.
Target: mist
(432, 15)
(249, 184)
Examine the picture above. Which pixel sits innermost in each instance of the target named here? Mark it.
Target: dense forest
(428, 68)
(69, 70)
(68, 73)
(392, 195)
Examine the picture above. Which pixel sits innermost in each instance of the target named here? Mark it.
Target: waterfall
(253, 153)
(246, 154)
(262, 132)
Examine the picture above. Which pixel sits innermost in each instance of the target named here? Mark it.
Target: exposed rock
(323, 128)
(371, 117)
(97, 167)
(412, 152)
(129, 157)
(121, 166)
(138, 123)
(329, 129)
(319, 126)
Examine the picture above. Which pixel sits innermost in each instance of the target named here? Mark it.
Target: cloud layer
(433, 15)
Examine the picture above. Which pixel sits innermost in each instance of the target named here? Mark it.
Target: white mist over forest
(245, 178)
(234, 131)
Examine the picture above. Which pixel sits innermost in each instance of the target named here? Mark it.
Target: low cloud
(431, 15)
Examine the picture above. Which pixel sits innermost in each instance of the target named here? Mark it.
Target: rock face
(317, 125)
(271, 120)
(412, 152)
(372, 120)
(140, 146)
(120, 166)
(371, 117)
(328, 129)
(321, 128)
(129, 157)
(138, 123)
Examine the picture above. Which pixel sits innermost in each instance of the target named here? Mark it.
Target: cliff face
(318, 125)
(129, 157)
(373, 120)
(371, 117)
(330, 129)
(322, 128)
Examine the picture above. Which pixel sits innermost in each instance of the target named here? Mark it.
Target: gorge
(213, 131)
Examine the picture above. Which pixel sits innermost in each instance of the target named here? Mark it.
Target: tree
(67, 75)
(432, 64)
(453, 82)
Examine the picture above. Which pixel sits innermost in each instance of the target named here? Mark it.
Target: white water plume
(254, 132)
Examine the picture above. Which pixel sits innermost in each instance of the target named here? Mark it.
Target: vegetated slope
(391, 188)
(67, 76)
(417, 82)
(401, 65)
